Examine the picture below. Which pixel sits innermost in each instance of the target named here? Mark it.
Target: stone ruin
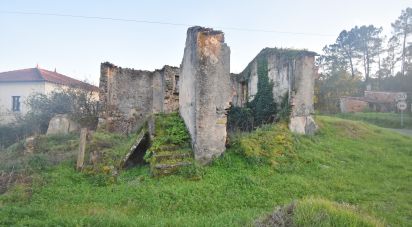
(292, 73)
(202, 90)
(128, 96)
(205, 92)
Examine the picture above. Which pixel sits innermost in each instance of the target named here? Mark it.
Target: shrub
(261, 110)
(269, 144)
(78, 104)
(240, 119)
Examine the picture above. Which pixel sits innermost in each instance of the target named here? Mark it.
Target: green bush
(262, 109)
(240, 119)
(78, 104)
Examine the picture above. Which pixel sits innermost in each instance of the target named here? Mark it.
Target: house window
(16, 103)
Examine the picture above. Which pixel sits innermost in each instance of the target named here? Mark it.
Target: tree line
(363, 56)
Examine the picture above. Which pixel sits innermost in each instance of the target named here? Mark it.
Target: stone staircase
(168, 156)
(169, 162)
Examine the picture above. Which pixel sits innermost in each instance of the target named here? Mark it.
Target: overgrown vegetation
(262, 109)
(170, 131)
(47, 151)
(322, 212)
(330, 88)
(263, 105)
(318, 212)
(171, 146)
(22, 162)
(111, 147)
(269, 144)
(347, 162)
(78, 104)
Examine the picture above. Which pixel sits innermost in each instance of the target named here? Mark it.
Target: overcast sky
(77, 46)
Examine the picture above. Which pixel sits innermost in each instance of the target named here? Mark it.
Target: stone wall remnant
(62, 124)
(292, 73)
(205, 91)
(352, 104)
(128, 96)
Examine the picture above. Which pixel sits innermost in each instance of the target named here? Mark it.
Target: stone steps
(168, 169)
(171, 156)
(169, 162)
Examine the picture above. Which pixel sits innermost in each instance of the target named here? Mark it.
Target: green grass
(386, 120)
(48, 151)
(321, 212)
(112, 147)
(364, 166)
(170, 131)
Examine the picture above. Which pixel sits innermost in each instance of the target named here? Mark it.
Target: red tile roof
(42, 75)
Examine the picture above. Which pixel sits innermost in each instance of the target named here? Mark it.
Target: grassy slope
(347, 162)
(387, 120)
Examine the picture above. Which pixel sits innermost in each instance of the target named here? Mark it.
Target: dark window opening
(176, 90)
(244, 92)
(16, 103)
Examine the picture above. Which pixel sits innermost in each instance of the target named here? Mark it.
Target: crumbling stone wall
(205, 91)
(203, 88)
(239, 91)
(352, 104)
(128, 96)
(292, 73)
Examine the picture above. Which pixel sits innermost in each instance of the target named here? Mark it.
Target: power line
(159, 22)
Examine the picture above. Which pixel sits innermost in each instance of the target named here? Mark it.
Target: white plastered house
(17, 85)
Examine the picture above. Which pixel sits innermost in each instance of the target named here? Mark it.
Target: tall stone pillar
(205, 91)
(301, 119)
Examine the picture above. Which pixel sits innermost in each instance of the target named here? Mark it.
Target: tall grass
(347, 162)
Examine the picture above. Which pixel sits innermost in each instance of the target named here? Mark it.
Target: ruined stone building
(292, 73)
(203, 89)
(129, 96)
